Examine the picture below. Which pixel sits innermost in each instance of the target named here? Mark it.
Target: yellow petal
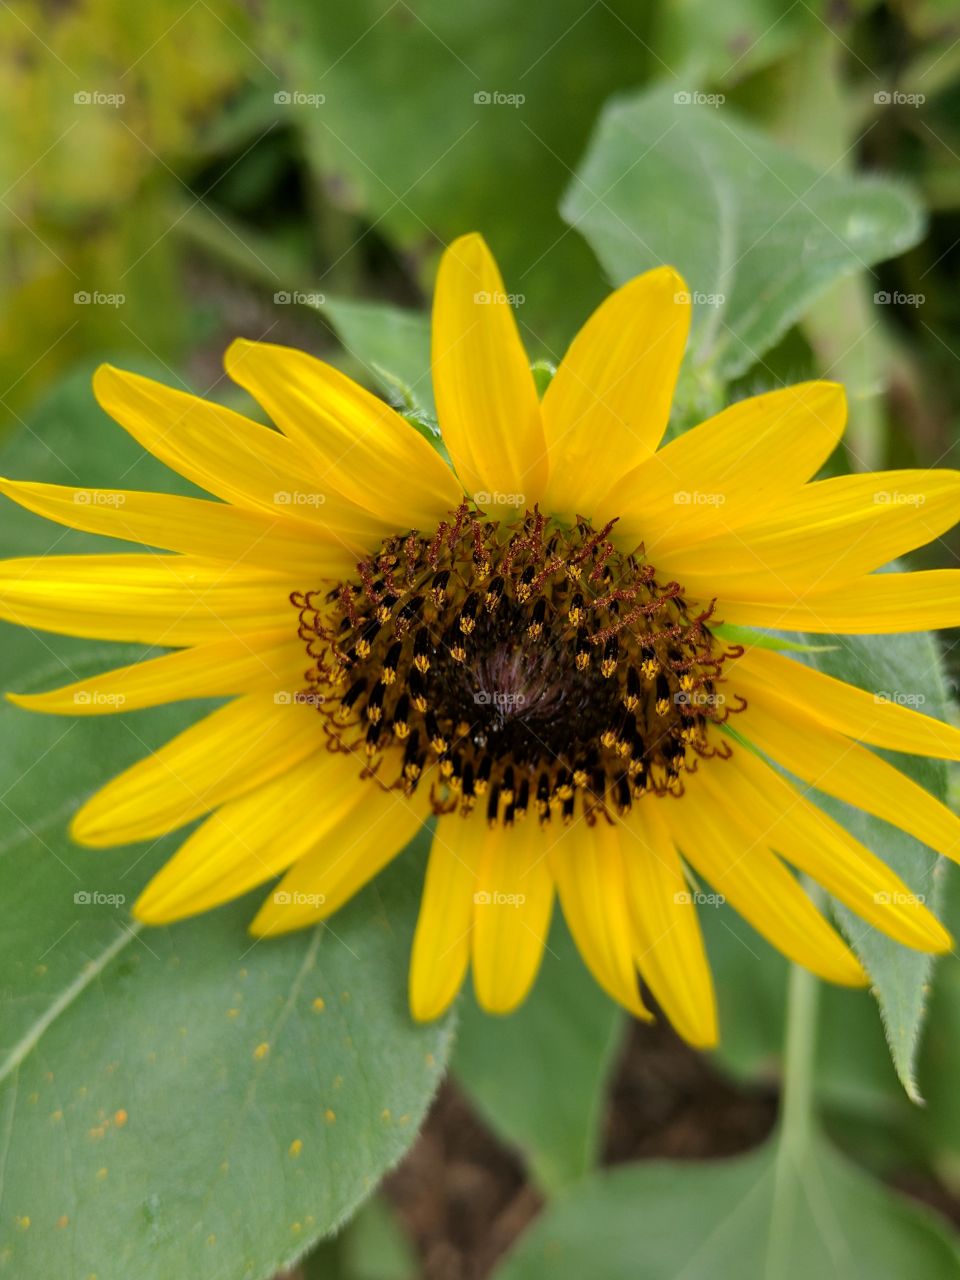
(441, 944)
(587, 865)
(828, 533)
(246, 841)
(378, 827)
(236, 748)
(358, 445)
(608, 405)
(211, 529)
(880, 719)
(820, 847)
(725, 846)
(143, 599)
(228, 455)
(241, 664)
(486, 398)
(832, 763)
(730, 470)
(669, 946)
(878, 604)
(514, 898)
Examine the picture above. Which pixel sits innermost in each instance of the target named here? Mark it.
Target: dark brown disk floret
(524, 667)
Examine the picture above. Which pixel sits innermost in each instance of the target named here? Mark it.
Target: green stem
(796, 1124)
(800, 1047)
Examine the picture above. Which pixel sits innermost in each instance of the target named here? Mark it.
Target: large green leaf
(757, 233)
(905, 668)
(750, 1217)
(437, 120)
(509, 1065)
(177, 1101)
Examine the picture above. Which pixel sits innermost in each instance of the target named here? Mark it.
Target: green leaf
(730, 41)
(766, 639)
(184, 1100)
(905, 668)
(486, 118)
(727, 1220)
(392, 344)
(509, 1066)
(757, 233)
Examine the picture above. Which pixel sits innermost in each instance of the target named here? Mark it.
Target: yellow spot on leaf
(296, 1227)
(120, 1118)
(23, 1222)
(211, 1239)
(386, 1115)
(101, 1175)
(296, 1146)
(430, 1060)
(319, 1004)
(329, 1116)
(261, 1051)
(233, 1013)
(62, 1221)
(56, 1115)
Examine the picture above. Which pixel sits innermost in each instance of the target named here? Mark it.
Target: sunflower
(523, 649)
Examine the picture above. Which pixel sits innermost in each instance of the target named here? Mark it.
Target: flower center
(536, 667)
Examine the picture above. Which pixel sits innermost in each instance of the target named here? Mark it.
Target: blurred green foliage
(336, 148)
(175, 174)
